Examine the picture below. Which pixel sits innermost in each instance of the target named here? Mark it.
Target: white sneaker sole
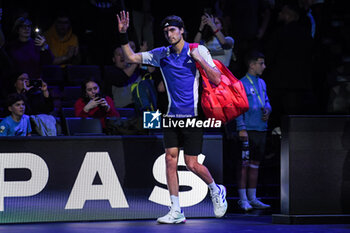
(178, 221)
(219, 215)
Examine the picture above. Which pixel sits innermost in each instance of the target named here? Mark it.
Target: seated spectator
(94, 104)
(210, 34)
(120, 78)
(39, 104)
(62, 41)
(27, 54)
(17, 123)
(38, 97)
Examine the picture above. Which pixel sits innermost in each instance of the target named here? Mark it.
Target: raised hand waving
(123, 21)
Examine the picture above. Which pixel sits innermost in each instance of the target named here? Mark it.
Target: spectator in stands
(27, 54)
(122, 76)
(39, 104)
(93, 103)
(38, 97)
(210, 34)
(62, 41)
(17, 123)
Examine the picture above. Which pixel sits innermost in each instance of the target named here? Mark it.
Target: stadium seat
(78, 73)
(77, 126)
(68, 112)
(53, 75)
(70, 95)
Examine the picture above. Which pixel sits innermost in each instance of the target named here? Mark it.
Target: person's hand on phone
(209, 20)
(44, 88)
(39, 41)
(93, 103)
(26, 85)
(103, 103)
(203, 22)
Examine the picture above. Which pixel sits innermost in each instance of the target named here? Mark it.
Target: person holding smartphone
(93, 103)
(210, 34)
(36, 91)
(39, 103)
(27, 54)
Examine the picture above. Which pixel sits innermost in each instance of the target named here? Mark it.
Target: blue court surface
(249, 223)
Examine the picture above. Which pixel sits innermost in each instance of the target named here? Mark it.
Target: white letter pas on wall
(84, 189)
(37, 182)
(186, 178)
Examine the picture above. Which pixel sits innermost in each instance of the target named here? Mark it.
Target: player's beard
(175, 43)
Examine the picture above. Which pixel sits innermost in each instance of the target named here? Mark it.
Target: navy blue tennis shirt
(180, 76)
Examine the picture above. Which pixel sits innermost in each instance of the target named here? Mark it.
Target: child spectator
(16, 124)
(39, 104)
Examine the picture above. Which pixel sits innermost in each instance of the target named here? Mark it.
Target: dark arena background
(93, 182)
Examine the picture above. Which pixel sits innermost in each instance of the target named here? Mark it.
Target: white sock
(175, 204)
(252, 194)
(242, 194)
(213, 188)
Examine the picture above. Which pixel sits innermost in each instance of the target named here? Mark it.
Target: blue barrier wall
(96, 178)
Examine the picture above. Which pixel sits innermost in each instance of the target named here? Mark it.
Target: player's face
(173, 34)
